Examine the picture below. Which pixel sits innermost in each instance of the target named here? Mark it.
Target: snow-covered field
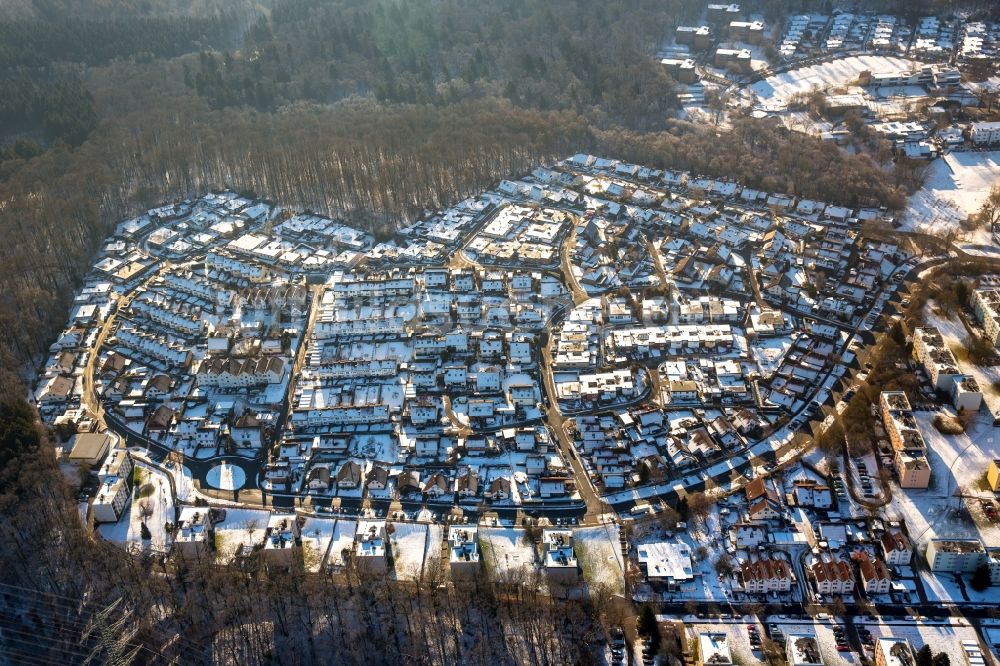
(240, 527)
(955, 188)
(957, 462)
(991, 630)
(343, 540)
(409, 543)
(317, 534)
(775, 91)
(600, 555)
(506, 550)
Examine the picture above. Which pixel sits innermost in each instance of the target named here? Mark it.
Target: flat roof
(90, 446)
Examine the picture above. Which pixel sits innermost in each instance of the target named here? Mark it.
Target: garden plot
(342, 542)
(241, 528)
(955, 187)
(317, 535)
(770, 352)
(432, 549)
(380, 447)
(409, 542)
(599, 552)
(507, 552)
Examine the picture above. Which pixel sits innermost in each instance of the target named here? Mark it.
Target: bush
(948, 425)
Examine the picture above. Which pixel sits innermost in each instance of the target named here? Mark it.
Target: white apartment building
(985, 133)
(986, 303)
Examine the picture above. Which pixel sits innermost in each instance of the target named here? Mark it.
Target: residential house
(765, 576)
(896, 549)
(875, 576)
(499, 489)
(832, 577)
(349, 475)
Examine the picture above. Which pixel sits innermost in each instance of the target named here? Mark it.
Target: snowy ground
(506, 550)
(957, 464)
(955, 188)
(317, 534)
(240, 527)
(770, 352)
(343, 539)
(160, 506)
(991, 629)
(409, 544)
(599, 552)
(775, 91)
(226, 476)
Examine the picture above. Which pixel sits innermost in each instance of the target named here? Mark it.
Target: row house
(235, 266)
(199, 286)
(341, 415)
(832, 577)
(368, 326)
(354, 369)
(896, 549)
(400, 287)
(765, 576)
(237, 373)
(186, 320)
(875, 576)
(158, 347)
